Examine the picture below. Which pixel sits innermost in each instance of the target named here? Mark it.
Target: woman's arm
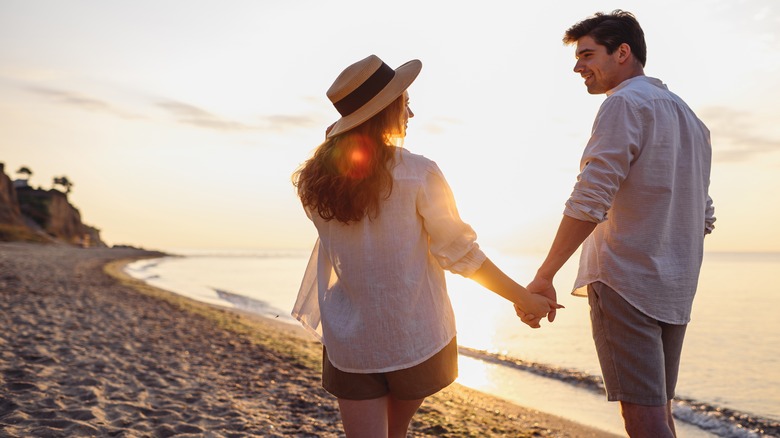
(492, 278)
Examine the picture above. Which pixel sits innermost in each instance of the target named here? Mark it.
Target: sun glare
(473, 373)
(479, 314)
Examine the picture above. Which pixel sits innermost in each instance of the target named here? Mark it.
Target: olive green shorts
(413, 383)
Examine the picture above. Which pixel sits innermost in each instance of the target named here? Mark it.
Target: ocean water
(729, 381)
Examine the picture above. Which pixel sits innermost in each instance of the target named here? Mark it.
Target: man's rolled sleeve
(709, 217)
(605, 162)
(584, 213)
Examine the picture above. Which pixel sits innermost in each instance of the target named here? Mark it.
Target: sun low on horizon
(180, 124)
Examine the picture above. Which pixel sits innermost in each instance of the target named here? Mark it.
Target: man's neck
(634, 71)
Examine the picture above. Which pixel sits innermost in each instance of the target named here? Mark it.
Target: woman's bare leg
(377, 418)
(364, 418)
(399, 415)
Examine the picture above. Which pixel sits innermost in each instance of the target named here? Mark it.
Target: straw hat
(367, 87)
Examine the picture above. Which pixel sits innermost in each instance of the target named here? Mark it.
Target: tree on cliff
(64, 182)
(24, 170)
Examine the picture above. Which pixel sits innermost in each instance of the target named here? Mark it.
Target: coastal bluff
(39, 215)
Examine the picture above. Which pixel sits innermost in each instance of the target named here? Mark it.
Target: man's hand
(570, 235)
(544, 294)
(544, 287)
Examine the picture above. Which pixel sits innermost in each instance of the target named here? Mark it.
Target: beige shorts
(413, 383)
(639, 355)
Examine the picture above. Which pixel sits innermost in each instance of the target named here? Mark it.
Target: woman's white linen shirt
(382, 296)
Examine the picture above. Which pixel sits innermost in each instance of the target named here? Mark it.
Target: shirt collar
(640, 78)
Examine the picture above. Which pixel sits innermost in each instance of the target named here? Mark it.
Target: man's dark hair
(611, 30)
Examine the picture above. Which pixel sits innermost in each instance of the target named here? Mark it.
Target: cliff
(41, 215)
(10, 214)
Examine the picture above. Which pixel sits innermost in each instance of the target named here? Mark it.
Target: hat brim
(404, 76)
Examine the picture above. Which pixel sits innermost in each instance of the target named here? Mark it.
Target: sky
(180, 122)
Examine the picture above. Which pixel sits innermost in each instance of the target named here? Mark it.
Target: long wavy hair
(350, 174)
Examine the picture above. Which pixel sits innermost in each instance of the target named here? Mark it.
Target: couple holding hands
(374, 291)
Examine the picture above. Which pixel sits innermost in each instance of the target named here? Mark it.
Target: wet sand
(85, 350)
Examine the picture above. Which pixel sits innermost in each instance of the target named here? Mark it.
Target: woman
(388, 226)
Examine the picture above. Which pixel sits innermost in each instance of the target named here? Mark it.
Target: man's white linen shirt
(644, 179)
(385, 306)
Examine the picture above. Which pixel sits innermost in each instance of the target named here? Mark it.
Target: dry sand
(85, 353)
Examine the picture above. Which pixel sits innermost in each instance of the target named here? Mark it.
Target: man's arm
(571, 233)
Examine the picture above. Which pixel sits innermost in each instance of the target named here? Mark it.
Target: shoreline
(501, 374)
(90, 350)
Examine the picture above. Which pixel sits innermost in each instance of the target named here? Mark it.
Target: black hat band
(366, 91)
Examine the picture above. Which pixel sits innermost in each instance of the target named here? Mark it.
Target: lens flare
(355, 156)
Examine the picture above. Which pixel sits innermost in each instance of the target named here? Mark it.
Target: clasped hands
(541, 303)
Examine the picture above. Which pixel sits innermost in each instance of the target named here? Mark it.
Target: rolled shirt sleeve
(605, 162)
(709, 216)
(452, 242)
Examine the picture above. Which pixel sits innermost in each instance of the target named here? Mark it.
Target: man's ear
(624, 52)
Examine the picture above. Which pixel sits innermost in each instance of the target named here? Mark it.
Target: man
(641, 206)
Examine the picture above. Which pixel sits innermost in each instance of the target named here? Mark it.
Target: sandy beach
(85, 350)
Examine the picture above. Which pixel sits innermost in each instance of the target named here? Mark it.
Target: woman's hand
(534, 307)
